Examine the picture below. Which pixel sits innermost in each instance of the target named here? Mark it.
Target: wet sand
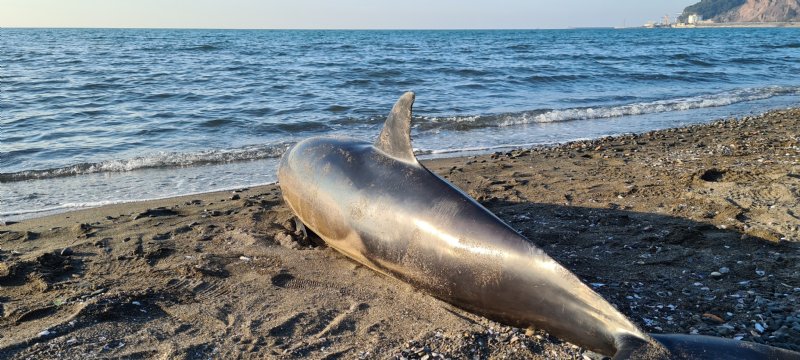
(689, 230)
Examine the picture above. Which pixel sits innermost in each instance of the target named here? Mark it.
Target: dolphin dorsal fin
(395, 138)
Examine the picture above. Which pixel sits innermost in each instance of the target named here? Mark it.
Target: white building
(693, 19)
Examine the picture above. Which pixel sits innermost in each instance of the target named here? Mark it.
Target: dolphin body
(375, 203)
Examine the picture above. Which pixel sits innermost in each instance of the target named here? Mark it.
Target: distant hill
(745, 10)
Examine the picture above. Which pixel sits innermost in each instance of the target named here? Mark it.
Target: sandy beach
(689, 230)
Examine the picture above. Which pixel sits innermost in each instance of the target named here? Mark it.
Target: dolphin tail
(675, 346)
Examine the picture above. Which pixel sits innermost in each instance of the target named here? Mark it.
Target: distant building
(694, 19)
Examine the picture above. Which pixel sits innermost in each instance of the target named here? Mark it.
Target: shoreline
(685, 230)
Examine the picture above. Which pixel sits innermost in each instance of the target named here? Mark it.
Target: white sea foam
(156, 160)
(468, 122)
(16, 215)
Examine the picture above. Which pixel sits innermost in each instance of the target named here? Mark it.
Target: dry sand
(690, 230)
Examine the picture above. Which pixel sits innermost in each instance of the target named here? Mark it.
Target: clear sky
(336, 14)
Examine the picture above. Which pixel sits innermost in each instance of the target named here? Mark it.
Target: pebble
(5, 270)
(44, 333)
(67, 251)
(213, 212)
(244, 258)
(724, 270)
(759, 327)
(161, 211)
(715, 275)
(164, 236)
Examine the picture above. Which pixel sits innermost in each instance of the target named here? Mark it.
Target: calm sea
(95, 116)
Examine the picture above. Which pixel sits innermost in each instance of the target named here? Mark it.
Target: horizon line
(308, 29)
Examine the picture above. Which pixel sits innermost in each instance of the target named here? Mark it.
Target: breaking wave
(604, 112)
(421, 124)
(154, 161)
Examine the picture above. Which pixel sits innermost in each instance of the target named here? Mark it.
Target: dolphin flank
(375, 203)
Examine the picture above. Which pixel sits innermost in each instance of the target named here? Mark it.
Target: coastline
(685, 230)
(744, 25)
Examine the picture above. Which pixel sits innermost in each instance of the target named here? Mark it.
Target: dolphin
(376, 204)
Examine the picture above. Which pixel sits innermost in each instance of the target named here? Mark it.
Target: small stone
(244, 258)
(724, 270)
(82, 228)
(164, 236)
(183, 229)
(715, 275)
(213, 212)
(67, 251)
(725, 330)
(5, 270)
(161, 211)
(235, 197)
(44, 333)
(760, 272)
(759, 327)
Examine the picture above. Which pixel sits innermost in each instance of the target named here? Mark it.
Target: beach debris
(714, 319)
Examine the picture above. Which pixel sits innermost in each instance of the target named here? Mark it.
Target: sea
(99, 116)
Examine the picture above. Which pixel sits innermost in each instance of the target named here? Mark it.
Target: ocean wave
(421, 124)
(470, 122)
(793, 45)
(32, 213)
(154, 161)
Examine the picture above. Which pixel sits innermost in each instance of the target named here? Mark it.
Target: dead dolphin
(375, 203)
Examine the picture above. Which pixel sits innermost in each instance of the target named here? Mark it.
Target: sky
(336, 14)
